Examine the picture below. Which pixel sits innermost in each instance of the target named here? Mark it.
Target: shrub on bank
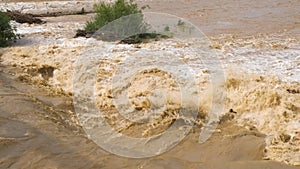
(106, 13)
(113, 24)
(6, 30)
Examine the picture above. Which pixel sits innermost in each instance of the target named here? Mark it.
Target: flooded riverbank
(260, 56)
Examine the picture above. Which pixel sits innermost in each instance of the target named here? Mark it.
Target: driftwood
(110, 37)
(23, 18)
(82, 33)
(105, 36)
(55, 14)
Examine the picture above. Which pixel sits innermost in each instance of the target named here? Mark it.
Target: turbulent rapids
(261, 81)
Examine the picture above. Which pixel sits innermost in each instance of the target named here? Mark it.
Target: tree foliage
(6, 30)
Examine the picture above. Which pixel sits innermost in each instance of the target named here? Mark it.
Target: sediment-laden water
(259, 123)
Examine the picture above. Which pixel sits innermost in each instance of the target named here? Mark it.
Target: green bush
(122, 20)
(6, 30)
(106, 13)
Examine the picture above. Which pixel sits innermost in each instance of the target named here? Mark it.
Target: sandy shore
(259, 47)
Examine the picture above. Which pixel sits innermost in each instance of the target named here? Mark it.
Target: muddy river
(252, 88)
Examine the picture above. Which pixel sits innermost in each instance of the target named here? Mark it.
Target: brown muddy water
(259, 47)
